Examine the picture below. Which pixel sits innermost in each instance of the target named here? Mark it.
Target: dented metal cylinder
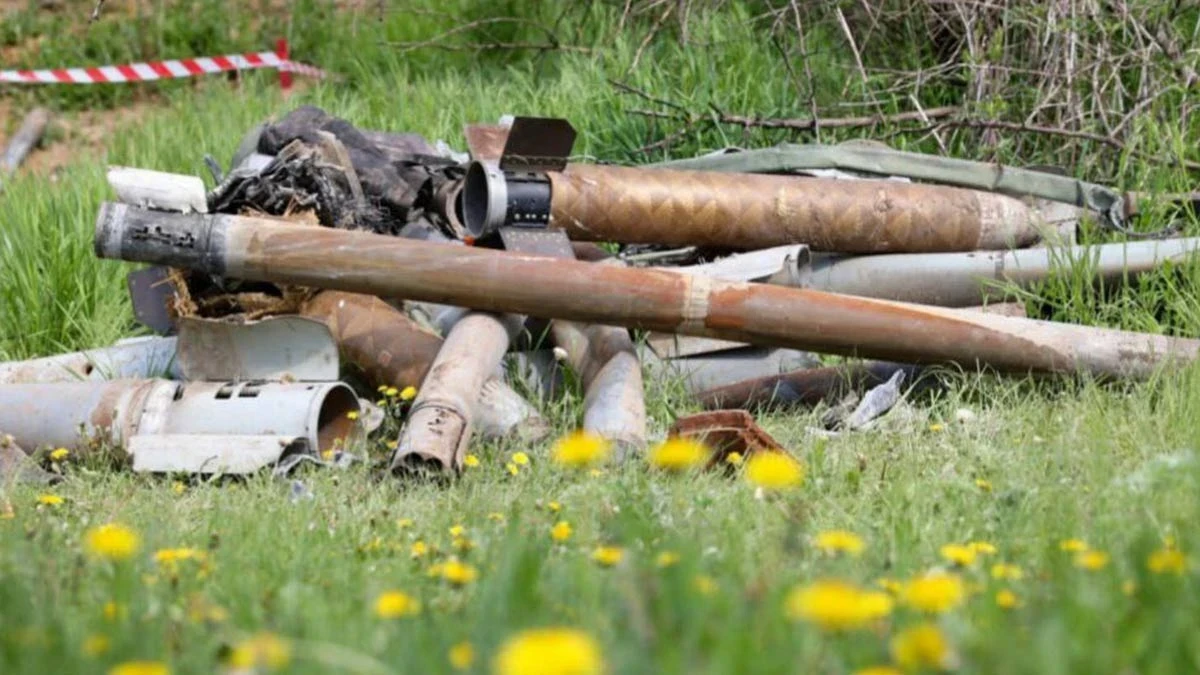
(392, 350)
(443, 414)
(75, 414)
(497, 281)
(613, 404)
(751, 211)
(143, 358)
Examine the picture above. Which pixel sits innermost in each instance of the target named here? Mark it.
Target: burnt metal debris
(470, 292)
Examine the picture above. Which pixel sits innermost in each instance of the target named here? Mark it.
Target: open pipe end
(334, 426)
(109, 230)
(484, 199)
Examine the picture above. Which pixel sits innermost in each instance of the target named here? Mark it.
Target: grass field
(714, 575)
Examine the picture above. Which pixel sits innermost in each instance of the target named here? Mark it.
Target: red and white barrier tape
(161, 70)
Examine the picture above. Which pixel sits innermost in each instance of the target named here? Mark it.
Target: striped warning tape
(160, 70)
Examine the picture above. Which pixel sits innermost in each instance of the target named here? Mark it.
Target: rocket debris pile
(464, 290)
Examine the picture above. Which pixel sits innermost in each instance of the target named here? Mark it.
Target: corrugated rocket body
(498, 281)
(754, 211)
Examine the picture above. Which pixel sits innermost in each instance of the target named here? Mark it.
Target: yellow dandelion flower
(734, 459)
(667, 559)
(936, 427)
(1007, 571)
(963, 556)
(608, 556)
(457, 572)
(391, 392)
(457, 530)
(512, 469)
(381, 402)
(49, 500)
(1167, 561)
(554, 507)
(549, 651)
(403, 523)
(922, 646)
(774, 470)
(262, 650)
(396, 605)
(704, 584)
(1073, 545)
(172, 556)
(381, 388)
(178, 487)
(471, 461)
(890, 585)
(112, 541)
(561, 531)
(140, 668)
(936, 592)
(1006, 599)
(1091, 560)
(96, 645)
(59, 454)
(408, 393)
(352, 415)
(878, 670)
(678, 454)
(418, 549)
(984, 485)
(461, 656)
(836, 605)
(834, 542)
(520, 459)
(580, 449)
(982, 547)
(113, 611)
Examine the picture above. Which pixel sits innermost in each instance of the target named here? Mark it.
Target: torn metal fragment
(725, 432)
(284, 348)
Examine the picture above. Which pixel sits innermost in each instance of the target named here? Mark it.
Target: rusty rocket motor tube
(497, 281)
(392, 350)
(440, 422)
(748, 211)
(614, 405)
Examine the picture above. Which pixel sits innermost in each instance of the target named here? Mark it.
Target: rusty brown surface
(668, 301)
(485, 142)
(725, 432)
(389, 348)
(652, 299)
(808, 386)
(753, 211)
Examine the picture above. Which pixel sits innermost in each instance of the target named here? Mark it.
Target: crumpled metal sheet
(725, 432)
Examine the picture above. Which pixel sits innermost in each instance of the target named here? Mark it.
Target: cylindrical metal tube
(392, 350)
(962, 279)
(439, 424)
(804, 387)
(498, 281)
(73, 414)
(614, 404)
(751, 211)
(149, 357)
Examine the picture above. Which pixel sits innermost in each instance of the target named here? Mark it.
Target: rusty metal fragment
(498, 281)
(16, 466)
(725, 432)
